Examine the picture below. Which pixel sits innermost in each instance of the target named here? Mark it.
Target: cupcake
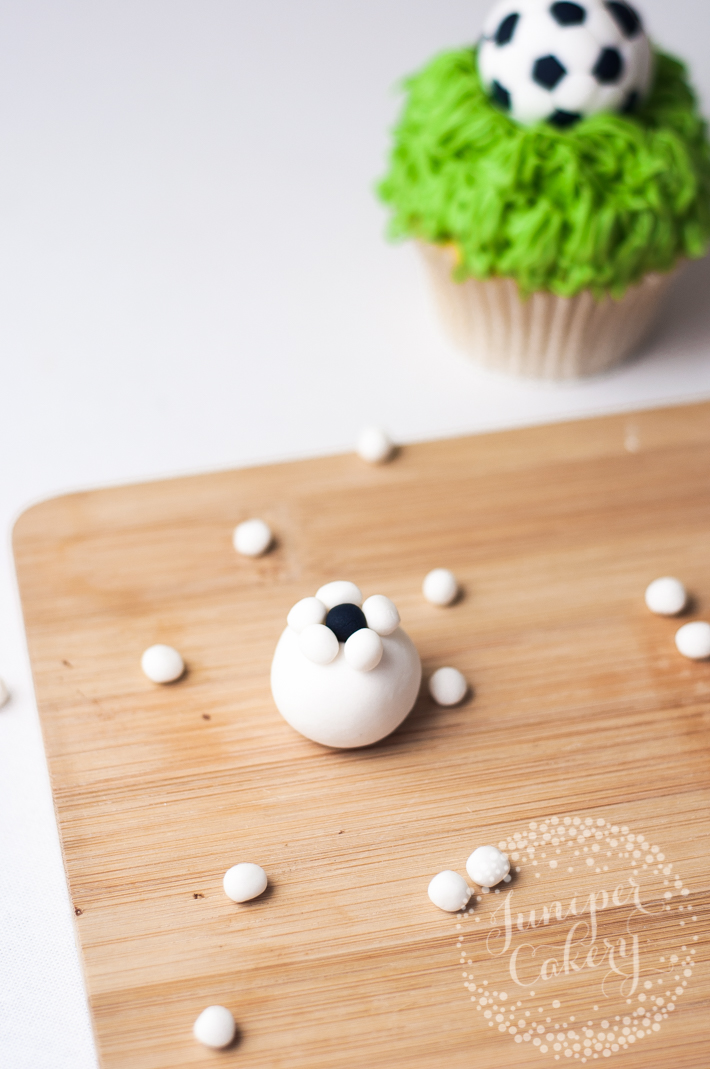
(555, 176)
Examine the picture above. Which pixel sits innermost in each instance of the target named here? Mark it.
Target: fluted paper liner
(543, 336)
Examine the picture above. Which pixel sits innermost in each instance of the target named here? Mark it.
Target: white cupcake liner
(543, 336)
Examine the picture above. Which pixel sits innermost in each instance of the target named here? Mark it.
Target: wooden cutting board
(583, 751)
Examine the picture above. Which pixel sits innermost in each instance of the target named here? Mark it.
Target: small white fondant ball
(363, 650)
(448, 686)
(381, 614)
(341, 592)
(449, 891)
(215, 1027)
(244, 881)
(666, 597)
(252, 538)
(693, 640)
(4, 693)
(374, 445)
(487, 866)
(306, 611)
(162, 664)
(440, 587)
(318, 643)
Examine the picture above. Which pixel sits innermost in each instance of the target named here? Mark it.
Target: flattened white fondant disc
(335, 704)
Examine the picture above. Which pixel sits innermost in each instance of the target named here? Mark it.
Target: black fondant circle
(345, 620)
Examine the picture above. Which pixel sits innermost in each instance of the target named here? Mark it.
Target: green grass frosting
(593, 207)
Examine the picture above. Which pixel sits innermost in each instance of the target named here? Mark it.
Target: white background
(193, 276)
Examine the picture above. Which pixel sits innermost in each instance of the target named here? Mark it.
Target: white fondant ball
(339, 706)
(4, 693)
(449, 891)
(563, 61)
(215, 1027)
(381, 614)
(318, 643)
(693, 640)
(252, 538)
(244, 881)
(162, 664)
(340, 592)
(448, 686)
(487, 866)
(440, 587)
(666, 596)
(374, 445)
(363, 650)
(306, 611)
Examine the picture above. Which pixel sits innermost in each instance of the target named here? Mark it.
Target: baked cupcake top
(595, 204)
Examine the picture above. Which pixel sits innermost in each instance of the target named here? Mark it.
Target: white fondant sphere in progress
(361, 689)
(244, 881)
(449, 891)
(562, 61)
(306, 611)
(693, 640)
(4, 693)
(374, 445)
(341, 592)
(440, 587)
(318, 644)
(448, 686)
(487, 866)
(666, 596)
(215, 1027)
(162, 664)
(381, 614)
(252, 538)
(363, 650)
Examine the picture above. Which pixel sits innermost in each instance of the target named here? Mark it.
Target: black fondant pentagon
(631, 103)
(501, 96)
(548, 72)
(609, 67)
(345, 620)
(567, 14)
(628, 20)
(504, 33)
(563, 119)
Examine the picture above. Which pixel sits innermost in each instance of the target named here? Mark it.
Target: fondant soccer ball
(561, 61)
(345, 674)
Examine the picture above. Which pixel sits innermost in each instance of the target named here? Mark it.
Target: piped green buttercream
(593, 207)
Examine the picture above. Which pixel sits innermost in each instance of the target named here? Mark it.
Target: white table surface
(193, 276)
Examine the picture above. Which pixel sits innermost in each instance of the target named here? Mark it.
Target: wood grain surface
(584, 723)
